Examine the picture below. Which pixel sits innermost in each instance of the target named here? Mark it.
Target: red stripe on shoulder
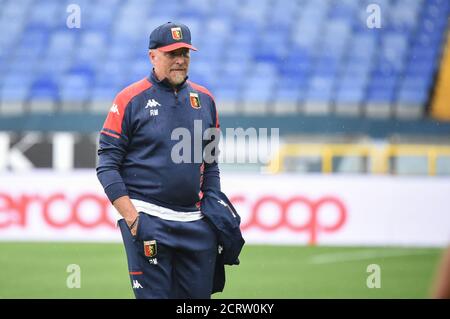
(115, 116)
(201, 89)
(110, 134)
(206, 91)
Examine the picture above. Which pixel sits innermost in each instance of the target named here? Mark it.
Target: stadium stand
(314, 57)
(319, 70)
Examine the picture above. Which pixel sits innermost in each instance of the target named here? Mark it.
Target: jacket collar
(164, 84)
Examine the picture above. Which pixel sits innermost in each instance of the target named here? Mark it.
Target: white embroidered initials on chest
(152, 104)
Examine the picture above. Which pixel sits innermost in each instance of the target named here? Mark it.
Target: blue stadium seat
(253, 12)
(203, 6)
(422, 68)
(44, 88)
(104, 92)
(13, 93)
(53, 66)
(350, 95)
(8, 39)
(207, 74)
(416, 82)
(320, 89)
(257, 94)
(284, 12)
(286, 94)
(138, 70)
(47, 13)
(381, 94)
(294, 81)
(327, 67)
(343, 10)
(74, 92)
(271, 47)
(227, 94)
(43, 96)
(412, 96)
(297, 61)
(34, 37)
(62, 44)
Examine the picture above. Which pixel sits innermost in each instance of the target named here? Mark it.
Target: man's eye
(184, 54)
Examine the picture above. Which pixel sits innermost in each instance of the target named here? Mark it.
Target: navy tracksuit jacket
(135, 160)
(135, 144)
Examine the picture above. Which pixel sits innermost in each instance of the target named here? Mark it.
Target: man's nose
(180, 59)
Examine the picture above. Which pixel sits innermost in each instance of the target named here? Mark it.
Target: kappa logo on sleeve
(114, 109)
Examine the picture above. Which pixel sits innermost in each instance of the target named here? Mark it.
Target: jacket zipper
(177, 102)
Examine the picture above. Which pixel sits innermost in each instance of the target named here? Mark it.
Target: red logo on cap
(176, 33)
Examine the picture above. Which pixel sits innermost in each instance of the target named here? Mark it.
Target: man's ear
(151, 55)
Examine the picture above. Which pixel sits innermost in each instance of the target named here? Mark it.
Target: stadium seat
(319, 94)
(13, 93)
(75, 89)
(350, 93)
(43, 96)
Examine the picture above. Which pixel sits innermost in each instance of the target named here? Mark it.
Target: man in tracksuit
(171, 249)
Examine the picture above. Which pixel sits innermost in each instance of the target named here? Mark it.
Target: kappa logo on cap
(176, 33)
(195, 101)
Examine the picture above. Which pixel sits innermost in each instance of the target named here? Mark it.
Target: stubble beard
(177, 78)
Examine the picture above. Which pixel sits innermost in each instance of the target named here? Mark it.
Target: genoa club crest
(195, 101)
(150, 248)
(176, 33)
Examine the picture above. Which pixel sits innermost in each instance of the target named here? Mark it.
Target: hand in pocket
(133, 225)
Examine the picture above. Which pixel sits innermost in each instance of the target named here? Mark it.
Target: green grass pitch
(39, 270)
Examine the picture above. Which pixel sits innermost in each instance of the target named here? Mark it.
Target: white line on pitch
(364, 254)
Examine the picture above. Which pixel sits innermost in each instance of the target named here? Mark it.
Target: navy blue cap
(171, 36)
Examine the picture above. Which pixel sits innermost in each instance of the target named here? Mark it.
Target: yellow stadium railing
(379, 155)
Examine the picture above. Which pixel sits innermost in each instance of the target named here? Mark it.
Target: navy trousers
(170, 259)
